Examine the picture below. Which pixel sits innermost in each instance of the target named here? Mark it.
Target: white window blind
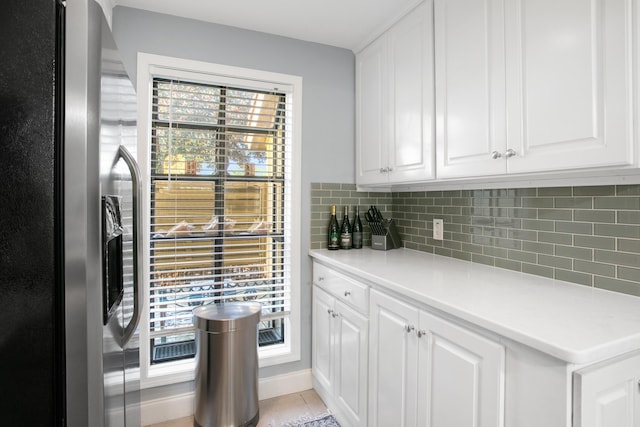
(219, 228)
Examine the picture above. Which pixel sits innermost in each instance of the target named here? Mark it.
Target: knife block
(389, 240)
(381, 242)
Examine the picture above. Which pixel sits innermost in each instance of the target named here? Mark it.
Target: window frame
(150, 66)
(273, 180)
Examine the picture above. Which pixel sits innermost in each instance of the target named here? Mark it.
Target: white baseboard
(279, 385)
(167, 408)
(183, 405)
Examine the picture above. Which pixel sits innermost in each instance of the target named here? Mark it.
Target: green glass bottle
(334, 231)
(345, 231)
(356, 231)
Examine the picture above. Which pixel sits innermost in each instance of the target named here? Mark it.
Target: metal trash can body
(227, 365)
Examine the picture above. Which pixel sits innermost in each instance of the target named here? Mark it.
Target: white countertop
(575, 323)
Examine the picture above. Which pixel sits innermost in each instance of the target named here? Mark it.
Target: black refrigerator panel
(31, 282)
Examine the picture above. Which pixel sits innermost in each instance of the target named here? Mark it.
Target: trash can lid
(227, 317)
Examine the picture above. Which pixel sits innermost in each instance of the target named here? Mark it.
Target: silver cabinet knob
(409, 328)
(320, 279)
(347, 293)
(382, 170)
(421, 333)
(510, 153)
(329, 311)
(389, 170)
(495, 155)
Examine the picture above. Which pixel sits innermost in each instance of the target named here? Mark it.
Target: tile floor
(274, 412)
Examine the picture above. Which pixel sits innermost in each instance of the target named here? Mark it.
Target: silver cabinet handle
(389, 170)
(510, 153)
(421, 333)
(382, 170)
(334, 314)
(329, 311)
(409, 328)
(495, 155)
(347, 293)
(320, 279)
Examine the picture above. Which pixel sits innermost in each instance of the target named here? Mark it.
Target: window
(220, 200)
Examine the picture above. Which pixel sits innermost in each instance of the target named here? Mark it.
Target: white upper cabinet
(569, 80)
(525, 86)
(394, 101)
(470, 92)
(371, 143)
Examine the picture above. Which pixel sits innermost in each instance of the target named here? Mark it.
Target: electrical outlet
(438, 229)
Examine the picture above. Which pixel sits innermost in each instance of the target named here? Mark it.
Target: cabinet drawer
(342, 287)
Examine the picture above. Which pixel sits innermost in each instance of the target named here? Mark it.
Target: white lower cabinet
(340, 347)
(426, 371)
(393, 362)
(608, 394)
(466, 377)
(323, 337)
(382, 359)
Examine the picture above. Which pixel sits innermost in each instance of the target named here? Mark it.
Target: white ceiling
(342, 23)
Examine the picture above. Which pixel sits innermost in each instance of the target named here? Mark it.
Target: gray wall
(328, 125)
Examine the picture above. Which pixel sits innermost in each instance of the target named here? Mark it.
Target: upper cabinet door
(394, 103)
(372, 110)
(411, 148)
(569, 75)
(470, 89)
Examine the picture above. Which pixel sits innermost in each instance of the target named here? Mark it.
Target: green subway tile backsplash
(326, 194)
(586, 235)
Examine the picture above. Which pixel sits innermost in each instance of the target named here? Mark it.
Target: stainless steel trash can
(227, 364)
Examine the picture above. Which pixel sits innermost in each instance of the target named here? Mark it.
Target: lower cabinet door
(393, 362)
(322, 337)
(465, 381)
(351, 348)
(340, 345)
(608, 394)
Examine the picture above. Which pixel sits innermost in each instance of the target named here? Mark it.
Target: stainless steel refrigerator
(68, 323)
(100, 242)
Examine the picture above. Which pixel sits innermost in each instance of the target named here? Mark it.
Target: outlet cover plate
(438, 232)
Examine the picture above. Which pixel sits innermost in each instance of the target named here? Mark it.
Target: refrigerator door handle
(130, 329)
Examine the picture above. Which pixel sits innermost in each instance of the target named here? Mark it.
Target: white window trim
(156, 65)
